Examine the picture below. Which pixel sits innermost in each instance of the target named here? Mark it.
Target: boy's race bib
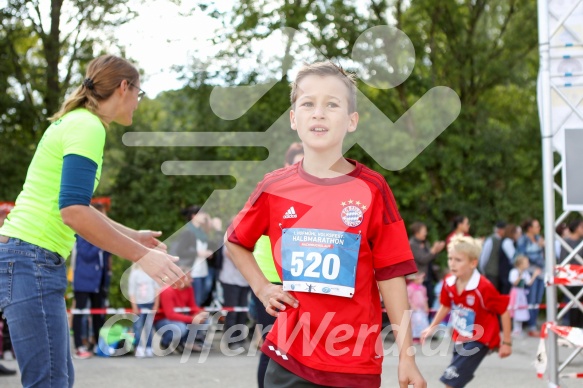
(462, 320)
(319, 261)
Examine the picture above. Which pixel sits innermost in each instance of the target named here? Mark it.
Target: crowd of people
(320, 242)
(511, 258)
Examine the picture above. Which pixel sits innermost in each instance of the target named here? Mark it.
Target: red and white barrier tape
(568, 275)
(237, 309)
(572, 334)
(113, 311)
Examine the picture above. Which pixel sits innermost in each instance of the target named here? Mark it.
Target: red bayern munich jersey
(336, 339)
(481, 300)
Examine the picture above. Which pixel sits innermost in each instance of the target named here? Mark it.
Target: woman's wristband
(506, 343)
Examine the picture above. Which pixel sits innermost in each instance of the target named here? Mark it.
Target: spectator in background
(191, 246)
(215, 233)
(3, 370)
(170, 321)
(143, 293)
(460, 226)
(520, 279)
(575, 238)
(531, 244)
(418, 302)
(563, 231)
(236, 293)
(489, 263)
(506, 257)
(425, 256)
(91, 276)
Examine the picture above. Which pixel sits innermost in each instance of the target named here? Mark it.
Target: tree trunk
(52, 48)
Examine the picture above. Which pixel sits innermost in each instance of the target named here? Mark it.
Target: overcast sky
(160, 38)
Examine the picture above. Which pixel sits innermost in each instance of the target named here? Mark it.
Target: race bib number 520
(319, 261)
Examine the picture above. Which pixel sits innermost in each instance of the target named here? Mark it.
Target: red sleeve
(168, 302)
(387, 232)
(444, 298)
(493, 300)
(252, 222)
(403, 268)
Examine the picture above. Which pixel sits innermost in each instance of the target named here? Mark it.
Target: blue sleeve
(77, 181)
(521, 246)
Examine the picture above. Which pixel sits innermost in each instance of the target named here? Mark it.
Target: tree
(42, 54)
(487, 163)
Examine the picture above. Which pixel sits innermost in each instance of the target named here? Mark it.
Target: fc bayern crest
(470, 300)
(352, 215)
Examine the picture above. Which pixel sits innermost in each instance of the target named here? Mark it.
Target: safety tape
(238, 309)
(114, 311)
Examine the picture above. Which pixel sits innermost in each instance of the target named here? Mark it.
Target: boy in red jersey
(337, 239)
(475, 305)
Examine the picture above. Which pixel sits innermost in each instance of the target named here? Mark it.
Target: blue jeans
(176, 329)
(203, 286)
(33, 281)
(179, 329)
(146, 320)
(535, 296)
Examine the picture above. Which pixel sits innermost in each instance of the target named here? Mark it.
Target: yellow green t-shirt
(264, 258)
(36, 217)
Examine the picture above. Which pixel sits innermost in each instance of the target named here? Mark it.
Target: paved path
(219, 370)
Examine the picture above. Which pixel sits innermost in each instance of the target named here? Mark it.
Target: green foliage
(486, 165)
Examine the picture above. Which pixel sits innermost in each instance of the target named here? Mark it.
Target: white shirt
(514, 273)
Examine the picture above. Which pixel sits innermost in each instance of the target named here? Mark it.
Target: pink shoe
(82, 353)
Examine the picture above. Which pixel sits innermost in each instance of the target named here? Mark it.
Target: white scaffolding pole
(560, 99)
(548, 183)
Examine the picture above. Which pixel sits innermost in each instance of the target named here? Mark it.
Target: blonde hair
(104, 75)
(466, 245)
(323, 69)
(519, 259)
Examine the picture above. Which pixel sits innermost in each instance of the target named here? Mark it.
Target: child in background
(418, 302)
(443, 327)
(520, 278)
(474, 304)
(143, 293)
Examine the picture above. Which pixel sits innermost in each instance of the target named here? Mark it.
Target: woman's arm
(92, 226)
(144, 237)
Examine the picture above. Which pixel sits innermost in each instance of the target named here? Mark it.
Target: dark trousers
(279, 377)
(264, 320)
(5, 343)
(575, 314)
(430, 292)
(235, 296)
(81, 302)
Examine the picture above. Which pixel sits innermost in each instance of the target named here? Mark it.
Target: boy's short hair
(323, 69)
(467, 245)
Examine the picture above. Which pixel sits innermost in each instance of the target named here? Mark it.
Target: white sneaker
(140, 353)
(149, 352)
(8, 356)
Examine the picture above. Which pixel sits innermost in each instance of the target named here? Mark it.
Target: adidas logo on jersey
(290, 213)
